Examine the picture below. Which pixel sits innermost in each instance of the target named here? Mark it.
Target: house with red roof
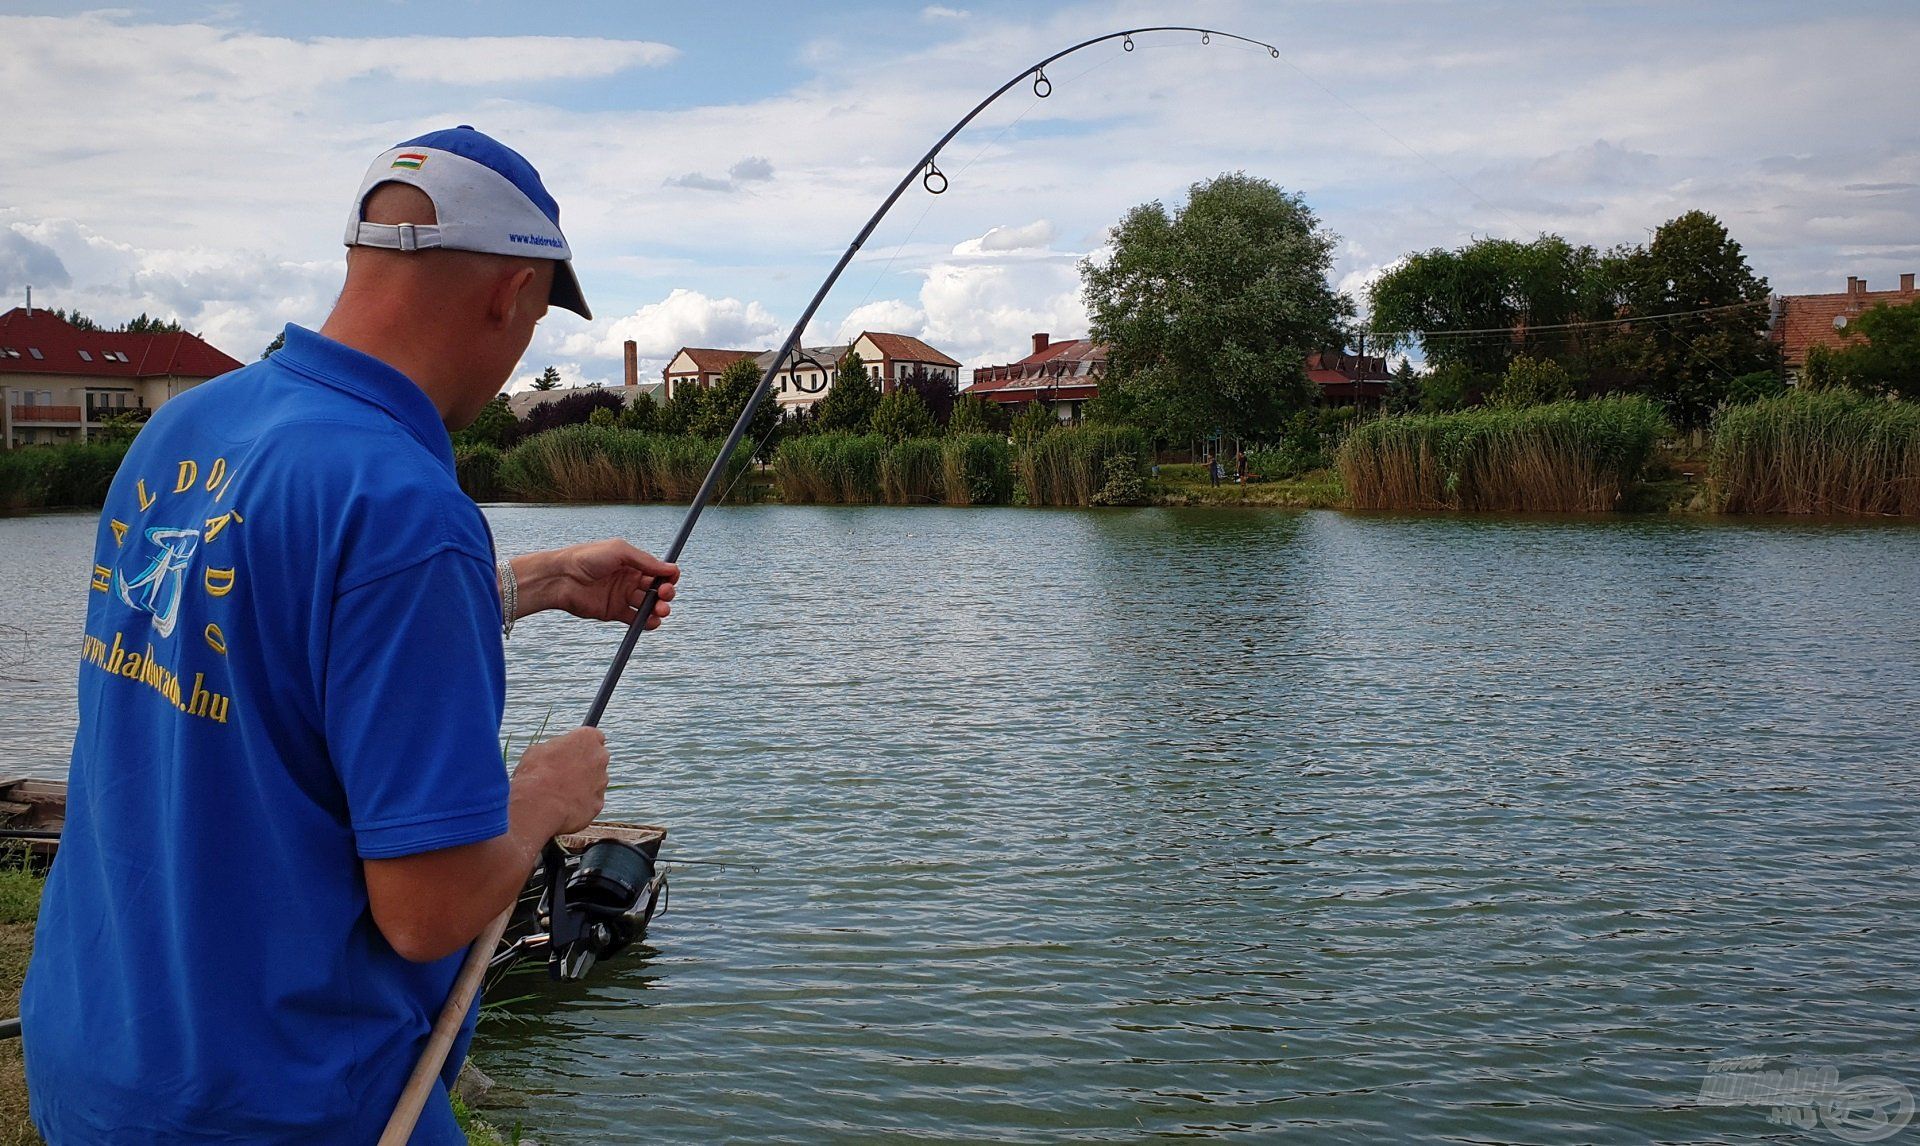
(1065, 375)
(891, 358)
(1804, 321)
(699, 365)
(1349, 379)
(59, 382)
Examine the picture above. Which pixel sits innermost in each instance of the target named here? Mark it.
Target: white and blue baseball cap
(486, 198)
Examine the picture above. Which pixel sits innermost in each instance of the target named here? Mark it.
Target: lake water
(1132, 824)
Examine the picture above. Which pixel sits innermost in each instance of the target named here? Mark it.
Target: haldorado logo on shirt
(154, 575)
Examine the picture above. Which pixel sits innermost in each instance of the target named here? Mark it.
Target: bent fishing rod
(566, 929)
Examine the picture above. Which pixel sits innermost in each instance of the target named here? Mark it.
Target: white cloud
(659, 330)
(1034, 236)
(937, 12)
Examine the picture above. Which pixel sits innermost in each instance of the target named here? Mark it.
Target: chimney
(633, 363)
(1039, 342)
(1855, 285)
(30, 296)
(1906, 283)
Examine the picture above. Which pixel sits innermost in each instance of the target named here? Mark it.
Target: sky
(197, 161)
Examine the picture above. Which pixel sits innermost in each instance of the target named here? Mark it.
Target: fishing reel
(597, 907)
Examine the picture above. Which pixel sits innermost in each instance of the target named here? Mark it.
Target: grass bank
(864, 469)
(1565, 457)
(1318, 489)
(1833, 452)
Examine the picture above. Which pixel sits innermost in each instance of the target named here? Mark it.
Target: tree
(937, 392)
(279, 342)
(902, 415)
(1209, 313)
(1484, 304)
(549, 380)
(1403, 389)
(145, 325)
(1531, 382)
(722, 406)
(1452, 386)
(1882, 354)
(75, 319)
(973, 414)
(494, 426)
(684, 409)
(1714, 328)
(1033, 421)
(571, 410)
(851, 400)
(641, 414)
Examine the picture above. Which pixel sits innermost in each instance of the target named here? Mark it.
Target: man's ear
(504, 303)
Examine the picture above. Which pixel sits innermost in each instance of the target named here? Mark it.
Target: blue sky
(712, 160)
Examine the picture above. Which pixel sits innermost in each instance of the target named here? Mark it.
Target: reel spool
(596, 908)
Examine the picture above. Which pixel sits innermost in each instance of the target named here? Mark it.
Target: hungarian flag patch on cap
(411, 160)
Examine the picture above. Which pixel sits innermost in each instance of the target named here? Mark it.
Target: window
(85, 357)
(37, 356)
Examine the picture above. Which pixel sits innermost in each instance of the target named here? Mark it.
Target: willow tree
(1209, 312)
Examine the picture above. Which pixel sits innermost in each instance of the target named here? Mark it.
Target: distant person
(288, 813)
(1240, 466)
(1213, 470)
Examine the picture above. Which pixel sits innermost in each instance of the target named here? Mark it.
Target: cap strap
(394, 236)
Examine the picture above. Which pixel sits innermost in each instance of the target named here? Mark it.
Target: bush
(1069, 465)
(58, 476)
(832, 467)
(902, 415)
(1566, 457)
(1308, 444)
(478, 468)
(1829, 452)
(605, 463)
(976, 469)
(571, 410)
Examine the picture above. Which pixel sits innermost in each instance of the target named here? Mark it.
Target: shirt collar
(322, 359)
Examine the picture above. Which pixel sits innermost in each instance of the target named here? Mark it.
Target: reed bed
(478, 469)
(835, 469)
(1563, 457)
(1835, 452)
(976, 469)
(608, 464)
(911, 474)
(862, 469)
(1086, 465)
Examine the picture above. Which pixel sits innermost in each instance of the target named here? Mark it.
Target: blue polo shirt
(292, 663)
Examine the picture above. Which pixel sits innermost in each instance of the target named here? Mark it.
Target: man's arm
(600, 581)
(434, 903)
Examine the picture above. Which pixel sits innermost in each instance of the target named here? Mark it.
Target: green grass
(1564, 457)
(1817, 452)
(1319, 489)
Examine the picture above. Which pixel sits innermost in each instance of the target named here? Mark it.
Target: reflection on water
(1122, 824)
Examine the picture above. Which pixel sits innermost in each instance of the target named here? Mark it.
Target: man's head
(455, 252)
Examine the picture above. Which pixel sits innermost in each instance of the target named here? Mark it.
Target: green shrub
(478, 468)
(1564, 457)
(1069, 465)
(834, 467)
(58, 476)
(1828, 452)
(976, 469)
(911, 472)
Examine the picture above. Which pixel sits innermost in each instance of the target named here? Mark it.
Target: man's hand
(432, 904)
(600, 581)
(563, 781)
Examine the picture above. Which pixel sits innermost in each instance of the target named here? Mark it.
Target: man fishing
(287, 812)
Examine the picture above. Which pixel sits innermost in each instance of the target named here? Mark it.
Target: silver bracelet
(509, 596)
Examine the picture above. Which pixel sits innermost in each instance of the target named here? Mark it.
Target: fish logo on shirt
(158, 588)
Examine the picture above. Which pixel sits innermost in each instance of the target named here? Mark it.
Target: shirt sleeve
(415, 688)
